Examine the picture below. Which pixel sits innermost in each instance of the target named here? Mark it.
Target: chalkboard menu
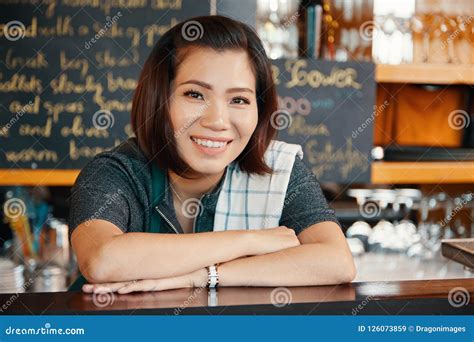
(328, 108)
(68, 69)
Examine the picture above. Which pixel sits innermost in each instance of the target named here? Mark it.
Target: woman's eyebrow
(208, 86)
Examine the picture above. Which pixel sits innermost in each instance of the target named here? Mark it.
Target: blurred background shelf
(425, 73)
(38, 177)
(382, 173)
(422, 172)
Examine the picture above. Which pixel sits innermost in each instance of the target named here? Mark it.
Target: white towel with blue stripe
(256, 201)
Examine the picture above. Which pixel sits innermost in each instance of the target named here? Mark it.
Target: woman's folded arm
(106, 254)
(322, 258)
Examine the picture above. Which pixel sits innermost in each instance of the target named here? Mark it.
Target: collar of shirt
(208, 201)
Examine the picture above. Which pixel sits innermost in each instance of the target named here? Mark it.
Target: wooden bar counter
(420, 297)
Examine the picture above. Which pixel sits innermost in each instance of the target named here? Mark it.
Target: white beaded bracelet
(213, 276)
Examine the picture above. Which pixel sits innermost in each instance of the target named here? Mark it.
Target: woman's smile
(210, 146)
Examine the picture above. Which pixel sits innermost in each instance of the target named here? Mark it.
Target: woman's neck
(193, 188)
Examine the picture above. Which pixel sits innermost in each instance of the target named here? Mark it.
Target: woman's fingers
(87, 288)
(104, 287)
(141, 285)
(157, 284)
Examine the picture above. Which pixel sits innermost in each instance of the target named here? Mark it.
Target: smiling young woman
(203, 182)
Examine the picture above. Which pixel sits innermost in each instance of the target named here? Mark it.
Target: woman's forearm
(146, 255)
(305, 265)
(114, 256)
(309, 264)
(272, 269)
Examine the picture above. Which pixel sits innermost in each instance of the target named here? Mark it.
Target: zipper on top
(167, 220)
(171, 224)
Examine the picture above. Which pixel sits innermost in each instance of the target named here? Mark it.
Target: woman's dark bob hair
(151, 120)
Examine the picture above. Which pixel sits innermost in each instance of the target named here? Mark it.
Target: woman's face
(213, 108)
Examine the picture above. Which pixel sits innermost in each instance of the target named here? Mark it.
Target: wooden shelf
(38, 177)
(422, 172)
(382, 173)
(425, 73)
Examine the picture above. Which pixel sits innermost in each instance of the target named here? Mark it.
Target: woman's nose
(215, 117)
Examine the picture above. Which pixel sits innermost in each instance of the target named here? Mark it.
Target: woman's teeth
(209, 143)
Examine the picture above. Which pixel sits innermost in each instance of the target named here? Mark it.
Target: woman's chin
(208, 167)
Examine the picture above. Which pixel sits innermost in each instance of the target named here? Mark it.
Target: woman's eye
(240, 100)
(194, 94)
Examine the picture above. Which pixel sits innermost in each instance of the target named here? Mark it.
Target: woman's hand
(195, 279)
(272, 240)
